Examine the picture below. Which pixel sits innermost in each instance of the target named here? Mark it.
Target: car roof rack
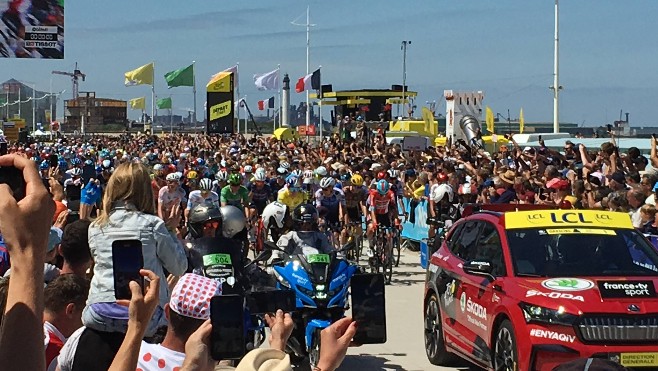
(497, 209)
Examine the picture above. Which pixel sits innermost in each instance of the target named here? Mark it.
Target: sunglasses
(211, 224)
(172, 182)
(234, 185)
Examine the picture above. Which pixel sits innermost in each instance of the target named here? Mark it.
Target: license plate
(319, 258)
(639, 359)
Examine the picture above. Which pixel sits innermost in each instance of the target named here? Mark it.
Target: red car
(530, 290)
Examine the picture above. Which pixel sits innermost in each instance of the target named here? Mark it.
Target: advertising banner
(32, 29)
(219, 107)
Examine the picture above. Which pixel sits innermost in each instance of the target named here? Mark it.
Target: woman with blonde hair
(128, 214)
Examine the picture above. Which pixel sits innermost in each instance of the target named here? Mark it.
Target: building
(44, 104)
(100, 113)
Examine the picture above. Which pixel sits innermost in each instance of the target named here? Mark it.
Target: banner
(32, 29)
(521, 121)
(138, 103)
(180, 77)
(219, 107)
(163, 103)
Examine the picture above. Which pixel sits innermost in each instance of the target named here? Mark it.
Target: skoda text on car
(529, 290)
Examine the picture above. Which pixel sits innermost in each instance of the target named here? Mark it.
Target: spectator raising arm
(25, 228)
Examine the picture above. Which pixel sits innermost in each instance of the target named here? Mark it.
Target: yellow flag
(140, 76)
(521, 122)
(490, 120)
(138, 103)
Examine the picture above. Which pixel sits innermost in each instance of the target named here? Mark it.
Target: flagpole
(244, 103)
(278, 82)
(237, 90)
(193, 92)
(320, 104)
(308, 60)
(171, 119)
(153, 99)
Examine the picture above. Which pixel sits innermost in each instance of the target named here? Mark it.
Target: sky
(608, 50)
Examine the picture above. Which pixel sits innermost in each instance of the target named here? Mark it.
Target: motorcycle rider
(305, 238)
(276, 220)
(441, 210)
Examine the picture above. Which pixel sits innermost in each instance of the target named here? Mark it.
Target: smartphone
(227, 338)
(13, 177)
(609, 127)
(127, 260)
(369, 308)
(54, 161)
(260, 302)
(3, 148)
(88, 172)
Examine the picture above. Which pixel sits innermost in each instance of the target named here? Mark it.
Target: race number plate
(319, 258)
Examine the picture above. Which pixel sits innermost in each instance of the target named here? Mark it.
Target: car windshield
(565, 252)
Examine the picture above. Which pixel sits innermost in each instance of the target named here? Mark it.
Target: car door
(478, 297)
(452, 288)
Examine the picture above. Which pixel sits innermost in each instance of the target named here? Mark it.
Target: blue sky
(608, 50)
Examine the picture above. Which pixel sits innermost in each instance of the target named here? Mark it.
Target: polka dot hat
(191, 296)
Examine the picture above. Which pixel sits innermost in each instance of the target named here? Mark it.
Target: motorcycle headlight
(535, 313)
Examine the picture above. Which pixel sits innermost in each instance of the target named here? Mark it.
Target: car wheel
(435, 347)
(506, 356)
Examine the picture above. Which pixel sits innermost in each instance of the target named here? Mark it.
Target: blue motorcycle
(321, 283)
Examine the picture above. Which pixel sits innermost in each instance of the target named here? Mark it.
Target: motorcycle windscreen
(319, 267)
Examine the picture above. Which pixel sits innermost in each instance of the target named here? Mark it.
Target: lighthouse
(285, 102)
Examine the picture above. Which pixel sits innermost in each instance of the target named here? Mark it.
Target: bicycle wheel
(398, 248)
(358, 248)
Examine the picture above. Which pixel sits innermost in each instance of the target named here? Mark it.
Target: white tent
(39, 133)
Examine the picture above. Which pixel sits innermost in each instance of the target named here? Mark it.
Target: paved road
(404, 349)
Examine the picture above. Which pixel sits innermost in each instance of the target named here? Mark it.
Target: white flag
(267, 81)
(233, 69)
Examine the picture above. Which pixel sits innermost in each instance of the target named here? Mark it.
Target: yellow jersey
(290, 199)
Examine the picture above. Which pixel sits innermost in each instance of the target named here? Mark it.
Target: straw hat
(508, 176)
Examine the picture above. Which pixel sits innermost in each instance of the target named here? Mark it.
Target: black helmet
(305, 213)
(201, 214)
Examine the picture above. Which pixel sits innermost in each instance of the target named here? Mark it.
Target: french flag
(263, 104)
(309, 82)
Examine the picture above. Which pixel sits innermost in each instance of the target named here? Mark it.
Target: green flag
(180, 77)
(164, 103)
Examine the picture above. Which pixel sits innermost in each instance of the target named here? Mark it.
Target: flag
(268, 103)
(490, 120)
(267, 81)
(521, 122)
(308, 82)
(164, 103)
(138, 103)
(233, 69)
(140, 76)
(180, 77)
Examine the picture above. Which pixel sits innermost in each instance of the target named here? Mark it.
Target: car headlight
(535, 313)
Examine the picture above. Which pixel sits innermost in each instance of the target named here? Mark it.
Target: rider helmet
(259, 176)
(192, 175)
(381, 175)
(441, 192)
(393, 174)
(327, 182)
(285, 165)
(235, 179)
(357, 180)
(275, 215)
(221, 176)
(200, 162)
(205, 184)
(233, 219)
(293, 182)
(199, 215)
(305, 213)
(441, 177)
(383, 187)
(248, 169)
(173, 177)
(44, 165)
(76, 161)
(76, 171)
(321, 171)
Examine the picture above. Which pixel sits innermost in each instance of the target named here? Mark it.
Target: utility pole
(404, 72)
(308, 57)
(556, 74)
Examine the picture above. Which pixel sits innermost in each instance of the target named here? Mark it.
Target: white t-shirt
(196, 199)
(651, 200)
(67, 354)
(155, 357)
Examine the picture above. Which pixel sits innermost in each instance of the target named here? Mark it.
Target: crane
(75, 75)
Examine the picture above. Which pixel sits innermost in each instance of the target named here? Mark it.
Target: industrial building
(100, 113)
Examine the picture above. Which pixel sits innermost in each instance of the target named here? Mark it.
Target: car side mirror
(479, 268)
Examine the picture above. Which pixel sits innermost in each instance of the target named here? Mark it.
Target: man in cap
(617, 181)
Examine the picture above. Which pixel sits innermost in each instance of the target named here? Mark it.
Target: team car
(530, 290)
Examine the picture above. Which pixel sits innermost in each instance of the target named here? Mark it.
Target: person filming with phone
(125, 238)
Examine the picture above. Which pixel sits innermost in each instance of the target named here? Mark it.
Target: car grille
(619, 329)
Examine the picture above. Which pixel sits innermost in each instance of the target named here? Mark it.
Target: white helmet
(440, 192)
(157, 167)
(327, 182)
(392, 173)
(261, 170)
(297, 173)
(233, 221)
(321, 171)
(173, 176)
(308, 174)
(274, 212)
(248, 169)
(285, 165)
(205, 184)
(76, 171)
(222, 176)
(259, 176)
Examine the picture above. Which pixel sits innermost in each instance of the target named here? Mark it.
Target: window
(454, 237)
(466, 242)
(489, 248)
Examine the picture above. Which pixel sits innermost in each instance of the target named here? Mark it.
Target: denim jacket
(159, 248)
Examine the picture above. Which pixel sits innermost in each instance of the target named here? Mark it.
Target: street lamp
(404, 71)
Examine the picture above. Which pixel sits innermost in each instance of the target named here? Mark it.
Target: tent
(40, 133)
(286, 134)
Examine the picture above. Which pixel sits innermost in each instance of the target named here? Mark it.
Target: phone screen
(3, 148)
(260, 302)
(369, 308)
(227, 317)
(13, 177)
(127, 260)
(54, 161)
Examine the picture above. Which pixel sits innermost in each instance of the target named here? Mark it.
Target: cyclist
(259, 192)
(382, 210)
(397, 187)
(190, 183)
(441, 209)
(220, 181)
(170, 196)
(235, 194)
(355, 203)
(234, 226)
(333, 200)
(279, 181)
(291, 195)
(203, 196)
